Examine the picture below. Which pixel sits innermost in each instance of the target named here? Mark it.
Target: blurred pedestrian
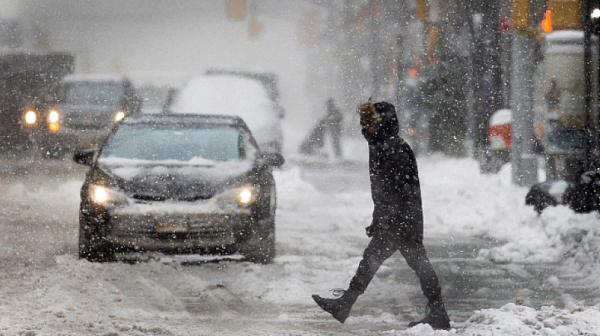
(315, 140)
(328, 125)
(397, 223)
(334, 124)
(553, 96)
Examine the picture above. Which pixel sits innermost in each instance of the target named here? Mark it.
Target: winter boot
(435, 315)
(339, 308)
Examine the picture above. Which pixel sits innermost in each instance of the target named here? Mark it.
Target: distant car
(28, 90)
(237, 96)
(89, 106)
(178, 184)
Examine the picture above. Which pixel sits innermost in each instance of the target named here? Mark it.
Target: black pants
(382, 246)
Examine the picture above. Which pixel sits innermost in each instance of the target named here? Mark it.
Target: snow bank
(457, 199)
(513, 319)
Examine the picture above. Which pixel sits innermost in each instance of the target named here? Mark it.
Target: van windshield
(94, 93)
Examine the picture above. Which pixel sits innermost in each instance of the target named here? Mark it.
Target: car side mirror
(271, 159)
(84, 157)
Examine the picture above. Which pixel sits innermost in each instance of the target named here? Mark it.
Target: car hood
(76, 115)
(180, 182)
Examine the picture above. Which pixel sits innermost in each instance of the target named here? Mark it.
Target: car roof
(187, 118)
(94, 78)
(224, 94)
(268, 79)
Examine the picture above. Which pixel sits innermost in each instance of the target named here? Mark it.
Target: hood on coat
(385, 123)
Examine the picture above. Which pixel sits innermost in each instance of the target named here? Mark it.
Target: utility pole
(485, 31)
(591, 26)
(587, 77)
(524, 162)
(374, 31)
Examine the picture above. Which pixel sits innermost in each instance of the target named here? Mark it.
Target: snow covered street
(200, 100)
(504, 270)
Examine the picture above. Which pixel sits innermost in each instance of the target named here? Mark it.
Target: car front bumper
(70, 139)
(188, 229)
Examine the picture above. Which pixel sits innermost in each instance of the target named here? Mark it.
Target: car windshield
(175, 142)
(92, 92)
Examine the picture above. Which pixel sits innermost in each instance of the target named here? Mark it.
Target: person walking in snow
(334, 124)
(330, 124)
(397, 223)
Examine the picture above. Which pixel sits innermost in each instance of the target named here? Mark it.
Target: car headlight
(100, 194)
(119, 116)
(53, 116)
(30, 117)
(236, 198)
(245, 196)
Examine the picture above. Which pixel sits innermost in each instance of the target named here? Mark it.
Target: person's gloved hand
(371, 230)
(374, 227)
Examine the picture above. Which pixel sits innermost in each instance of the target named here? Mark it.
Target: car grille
(214, 233)
(86, 126)
(161, 198)
(199, 226)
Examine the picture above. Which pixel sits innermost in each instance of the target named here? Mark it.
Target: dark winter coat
(395, 187)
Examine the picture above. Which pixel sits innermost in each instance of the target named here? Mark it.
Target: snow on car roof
(93, 78)
(229, 95)
(175, 118)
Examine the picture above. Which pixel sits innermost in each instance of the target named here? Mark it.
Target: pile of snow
(457, 199)
(514, 319)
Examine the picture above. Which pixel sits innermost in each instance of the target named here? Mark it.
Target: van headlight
(53, 116)
(103, 195)
(30, 117)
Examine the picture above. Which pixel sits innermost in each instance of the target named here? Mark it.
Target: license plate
(170, 227)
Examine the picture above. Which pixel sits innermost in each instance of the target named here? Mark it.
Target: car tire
(92, 244)
(223, 250)
(264, 251)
